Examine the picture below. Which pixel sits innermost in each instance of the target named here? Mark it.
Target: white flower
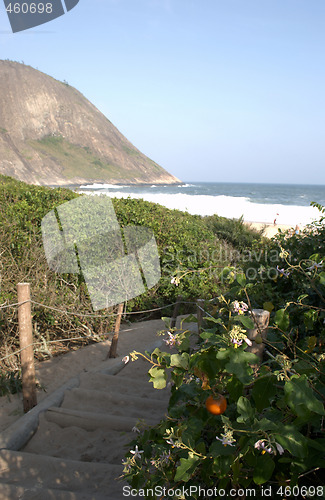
(315, 266)
(279, 448)
(126, 359)
(135, 429)
(236, 342)
(248, 341)
(136, 452)
(239, 307)
(226, 441)
(261, 445)
(175, 281)
(172, 340)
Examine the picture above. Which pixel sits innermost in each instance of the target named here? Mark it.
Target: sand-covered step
(66, 417)
(123, 385)
(40, 471)
(113, 403)
(73, 443)
(12, 492)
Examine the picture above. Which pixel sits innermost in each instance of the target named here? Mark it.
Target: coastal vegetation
(268, 439)
(234, 420)
(61, 306)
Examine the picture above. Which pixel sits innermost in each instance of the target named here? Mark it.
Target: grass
(77, 161)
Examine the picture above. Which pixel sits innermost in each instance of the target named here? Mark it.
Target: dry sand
(270, 230)
(78, 461)
(53, 373)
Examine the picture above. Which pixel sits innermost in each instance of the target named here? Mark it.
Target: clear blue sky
(213, 90)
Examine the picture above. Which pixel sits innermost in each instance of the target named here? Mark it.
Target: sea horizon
(287, 204)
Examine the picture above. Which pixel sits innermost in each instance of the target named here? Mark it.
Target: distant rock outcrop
(50, 134)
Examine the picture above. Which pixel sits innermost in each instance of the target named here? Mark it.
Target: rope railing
(28, 345)
(84, 315)
(70, 313)
(84, 337)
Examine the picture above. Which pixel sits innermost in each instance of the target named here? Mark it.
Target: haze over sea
(287, 203)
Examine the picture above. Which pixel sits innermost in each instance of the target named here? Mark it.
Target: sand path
(77, 450)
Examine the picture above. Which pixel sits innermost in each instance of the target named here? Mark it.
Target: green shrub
(187, 247)
(271, 433)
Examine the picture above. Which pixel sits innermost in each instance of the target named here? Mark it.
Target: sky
(212, 90)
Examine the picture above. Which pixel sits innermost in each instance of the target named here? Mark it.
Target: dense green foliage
(272, 432)
(185, 243)
(233, 231)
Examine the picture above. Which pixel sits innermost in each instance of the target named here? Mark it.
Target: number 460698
(31, 8)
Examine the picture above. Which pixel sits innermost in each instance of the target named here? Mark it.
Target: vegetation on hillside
(186, 244)
(77, 160)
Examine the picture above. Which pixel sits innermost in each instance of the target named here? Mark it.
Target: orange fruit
(216, 406)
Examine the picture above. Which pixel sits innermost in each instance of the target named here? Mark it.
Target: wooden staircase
(77, 450)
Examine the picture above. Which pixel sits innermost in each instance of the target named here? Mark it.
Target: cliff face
(51, 134)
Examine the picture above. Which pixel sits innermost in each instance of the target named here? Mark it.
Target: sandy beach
(270, 230)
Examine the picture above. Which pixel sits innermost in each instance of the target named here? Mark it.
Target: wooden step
(66, 417)
(12, 492)
(39, 471)
(125, 385)
(114, 404)
(74, 443)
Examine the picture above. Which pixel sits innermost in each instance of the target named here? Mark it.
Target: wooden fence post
(175, 312)
(261, 318)
(199, 314)
(113, 348)
(26, 341)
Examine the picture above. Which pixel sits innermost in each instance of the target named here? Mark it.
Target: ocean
(287, 203)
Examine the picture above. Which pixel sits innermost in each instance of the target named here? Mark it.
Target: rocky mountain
(50, 134)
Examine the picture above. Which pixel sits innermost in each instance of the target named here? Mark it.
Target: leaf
(193, 429)
(179, 360)
(312, 342)
(291, 440)
(247, 322)
(245, 410)
(299, 396)
(167, 321)
(264, 391)
(203, 377)
(263, 469)
(189, 319)
(322, 278)
(310, 317)
(215, 320)
(218, 449)
(241, 279)
(282, 319)
(268, 306)
(158, 377)
(267, 425)
(234, 388)
(239, 364)
(186, 468)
